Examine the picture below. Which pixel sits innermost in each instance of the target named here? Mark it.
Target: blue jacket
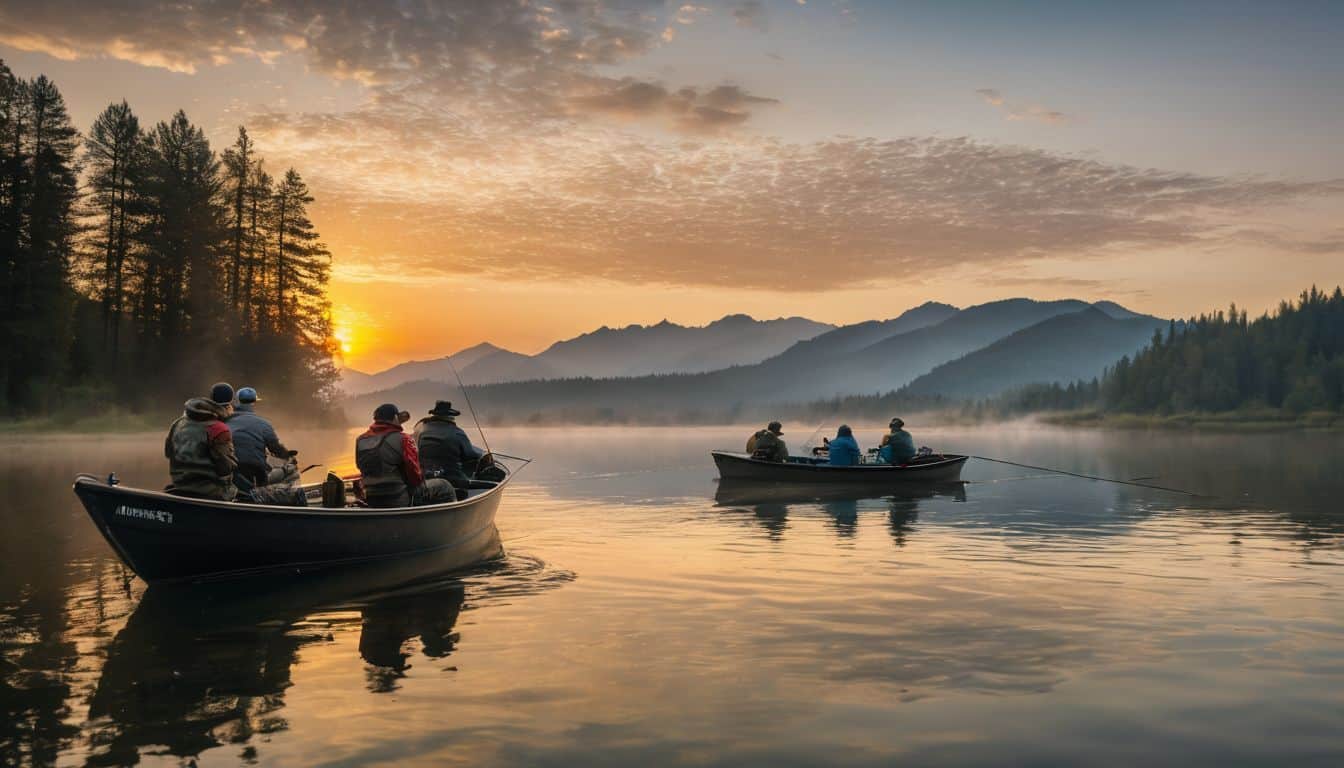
(844, 451)
(253, 436)
(899, 449)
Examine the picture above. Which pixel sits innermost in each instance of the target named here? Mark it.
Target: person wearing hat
(445, 449)
(767, 445)
(253, 437)
(898, 447)
(199, 448)
(389, 464)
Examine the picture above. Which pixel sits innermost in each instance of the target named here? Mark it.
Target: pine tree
(114, 158)
(238, 166)
(44, 192)
(302, 271)
(184, 243)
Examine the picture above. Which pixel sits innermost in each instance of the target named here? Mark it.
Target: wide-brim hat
(444, 408)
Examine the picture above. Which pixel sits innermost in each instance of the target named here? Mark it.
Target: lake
(1022, 618)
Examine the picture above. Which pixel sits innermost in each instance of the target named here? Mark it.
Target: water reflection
(789, 627)
(770, 504)
(203, 666)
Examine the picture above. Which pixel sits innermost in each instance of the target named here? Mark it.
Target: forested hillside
(1292, 359)
(137, 265)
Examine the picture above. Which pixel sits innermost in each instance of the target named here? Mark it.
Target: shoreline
(113, 424)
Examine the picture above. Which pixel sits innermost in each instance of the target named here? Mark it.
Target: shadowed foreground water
(645, 615)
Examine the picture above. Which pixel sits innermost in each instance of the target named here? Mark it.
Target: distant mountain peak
(1116, 311)
(734, 319)
(483, 347)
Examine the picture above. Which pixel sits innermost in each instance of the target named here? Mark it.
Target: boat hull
(164, 538)
(739, 467)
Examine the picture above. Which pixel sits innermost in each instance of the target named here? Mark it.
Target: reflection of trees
(50, 600)
(189, 687)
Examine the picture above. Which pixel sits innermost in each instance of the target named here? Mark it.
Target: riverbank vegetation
(137, 265)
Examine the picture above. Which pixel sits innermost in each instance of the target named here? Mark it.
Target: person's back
(253, 437)
(199, 449)
(767, 445)
(844, 449)
(899, 447)
(381, 455)
(444, 447)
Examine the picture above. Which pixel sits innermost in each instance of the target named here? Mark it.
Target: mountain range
(635, 350)
(978, 351)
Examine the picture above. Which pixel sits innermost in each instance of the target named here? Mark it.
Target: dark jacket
(898, 447)
(253, 437)
(199, 449)
(389, 465)
(768, 446)
(444, 447)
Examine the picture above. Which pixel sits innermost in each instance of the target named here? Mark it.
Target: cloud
(689, 12)
(751, 15)
(991, 96)
(496, 141)
(994, 98)
(598, 203)
(686, 109)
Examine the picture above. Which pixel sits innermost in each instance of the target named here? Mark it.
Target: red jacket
(410, 464)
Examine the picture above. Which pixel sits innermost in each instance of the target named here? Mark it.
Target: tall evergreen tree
(43, 192)
(14, 110)
(114, 158)
(184, 238)
(302, 271)
(238, 165)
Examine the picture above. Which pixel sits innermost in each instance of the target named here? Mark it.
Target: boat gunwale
(746, 458)
(98, 485)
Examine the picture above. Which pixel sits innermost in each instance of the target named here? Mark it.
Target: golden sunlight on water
(645, 614)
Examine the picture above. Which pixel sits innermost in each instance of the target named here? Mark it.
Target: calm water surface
(638, 619)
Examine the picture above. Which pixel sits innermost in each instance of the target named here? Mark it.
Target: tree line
(1290, 360)
(137, 264)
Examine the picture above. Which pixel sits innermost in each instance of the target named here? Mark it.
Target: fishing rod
(467, 398)
(1092, 477)
(813, 435)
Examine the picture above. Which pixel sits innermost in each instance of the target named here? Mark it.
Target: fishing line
(467, 398)
(1091, 477)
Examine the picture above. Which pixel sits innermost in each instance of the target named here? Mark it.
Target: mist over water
(643, 614)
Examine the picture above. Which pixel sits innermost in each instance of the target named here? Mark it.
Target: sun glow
(344, 337)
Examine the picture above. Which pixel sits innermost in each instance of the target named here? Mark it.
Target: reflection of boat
(735, 465)
(163, 537)
(769, 503)
(739, 492)
(199, 666)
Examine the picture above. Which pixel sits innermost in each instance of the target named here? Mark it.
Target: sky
(523, 171)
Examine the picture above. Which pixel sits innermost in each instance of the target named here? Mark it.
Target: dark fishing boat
(162, 537)
(800, 470)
